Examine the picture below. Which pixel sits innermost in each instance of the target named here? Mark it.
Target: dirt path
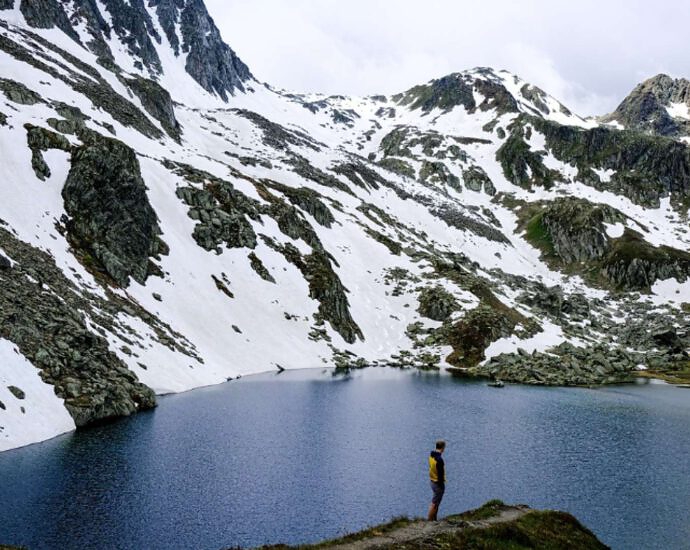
(420, 530)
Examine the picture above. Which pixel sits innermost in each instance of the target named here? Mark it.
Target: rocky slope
(168, 222)
(494, 525)
(659, 106)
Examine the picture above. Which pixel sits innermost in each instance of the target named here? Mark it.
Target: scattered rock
(17, 392)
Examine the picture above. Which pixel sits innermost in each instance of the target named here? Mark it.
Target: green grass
(534, 531)
(538, 236)
(491, 509)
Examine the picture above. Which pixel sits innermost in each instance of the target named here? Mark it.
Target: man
(437, 474)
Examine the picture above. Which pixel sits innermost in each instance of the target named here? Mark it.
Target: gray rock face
(209, 60)
(522, 166)
(168, 14)
(635, 264)
(46, 14)
(445, 93)
(96, 89)
(110, 220)
(576, 228)
(18, 93)
(645, 108)
(222, 212)
(158, 103)
(17, 392)
(572, 232)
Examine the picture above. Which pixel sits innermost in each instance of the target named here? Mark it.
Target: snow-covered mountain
(169, 222)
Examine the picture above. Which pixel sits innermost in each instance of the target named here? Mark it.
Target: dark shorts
(438, 489)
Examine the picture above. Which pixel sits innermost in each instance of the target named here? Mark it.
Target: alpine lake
(308, 455)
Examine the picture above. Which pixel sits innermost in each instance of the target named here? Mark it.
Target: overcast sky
(587, 53)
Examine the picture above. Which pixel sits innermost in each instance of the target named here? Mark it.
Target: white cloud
(588, 54)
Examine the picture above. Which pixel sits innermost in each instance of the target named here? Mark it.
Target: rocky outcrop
(436, 303)
(158, 103)
(276, 136)
(437, 173)
(634, 264)
(646, 108)
(94, 87)
(210, 61)
(522, 166)
(445, 93)
(476, 179)
(556, 304)
(45, 14)
(19, 93)
(110, 222)
(564, 365)
(458, 89)
(41, 140)
(572, 229)
(44, 314)
(571, 233)
(223, 214)
(455, 217)
(472, 335)
(307, 200)
(644, 167)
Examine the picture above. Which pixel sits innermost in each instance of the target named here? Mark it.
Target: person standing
(437, 475)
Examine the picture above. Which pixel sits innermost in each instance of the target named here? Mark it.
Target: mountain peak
(485, 89)
(659, 105)
(111, 27)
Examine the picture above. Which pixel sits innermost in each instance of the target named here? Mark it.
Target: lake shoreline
(494, 525)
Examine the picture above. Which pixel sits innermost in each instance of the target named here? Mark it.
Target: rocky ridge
(657, 106)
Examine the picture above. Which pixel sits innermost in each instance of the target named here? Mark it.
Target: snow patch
(39, 415)
(551, 336)
(679, 110)
(614, 230)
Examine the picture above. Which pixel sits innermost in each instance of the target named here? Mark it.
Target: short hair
(440, 444)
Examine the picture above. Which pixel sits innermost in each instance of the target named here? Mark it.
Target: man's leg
(433, 512)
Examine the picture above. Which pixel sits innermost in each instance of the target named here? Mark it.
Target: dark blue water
(305, 455)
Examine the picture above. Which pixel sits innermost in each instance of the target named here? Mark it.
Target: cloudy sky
(587, 53)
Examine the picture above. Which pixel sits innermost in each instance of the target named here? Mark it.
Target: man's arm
(441, 470)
